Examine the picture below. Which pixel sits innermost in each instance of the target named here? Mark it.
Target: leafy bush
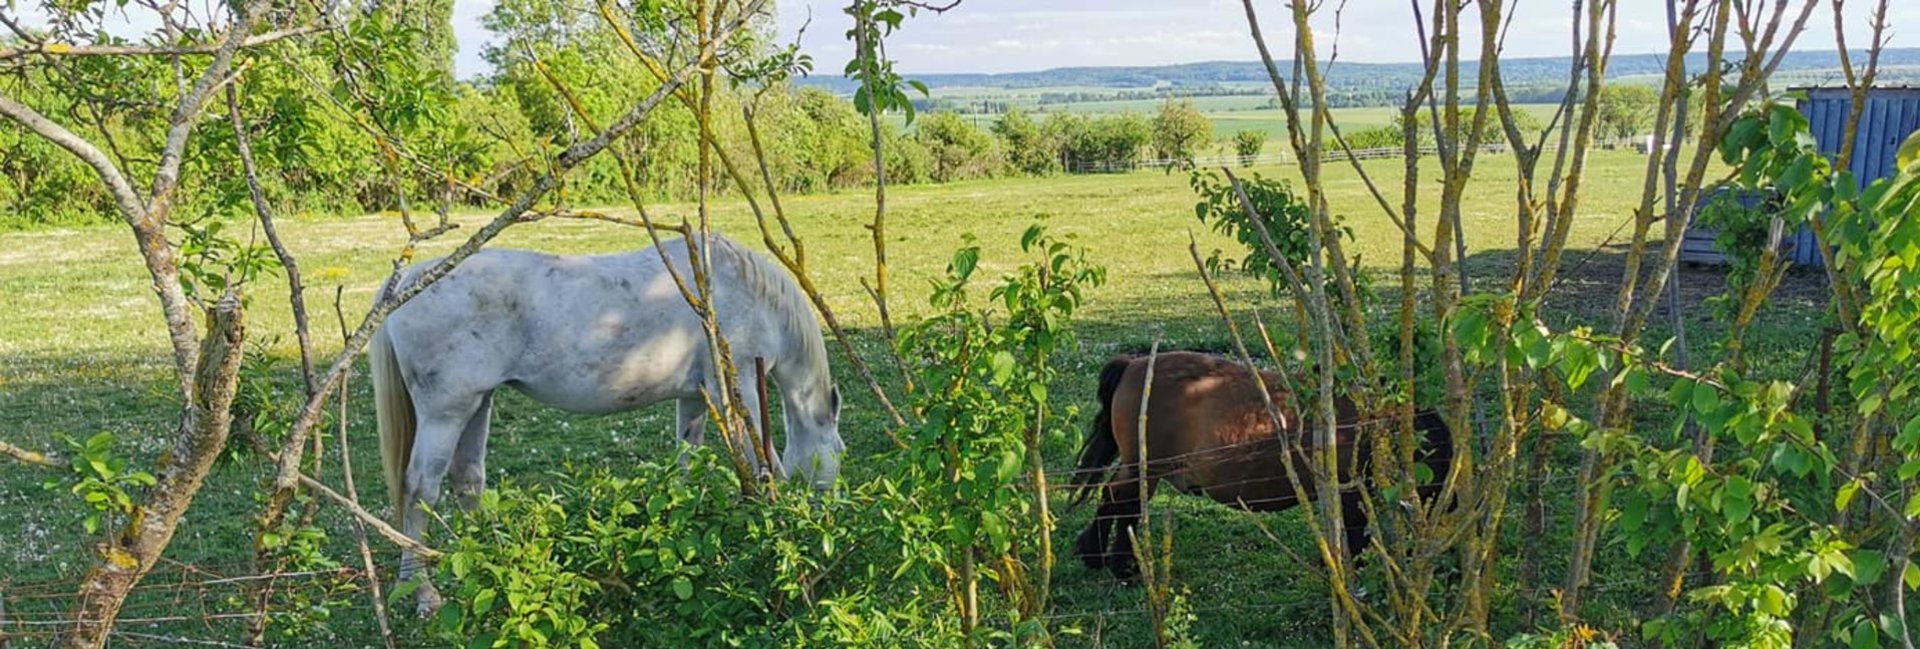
(1107, 143)
(1180, 132)
(1378, 137)
(1029, 149)
(665, 557)
(958, 149)
(1247, 144)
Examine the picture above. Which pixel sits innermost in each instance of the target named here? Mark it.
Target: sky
(1024, 35)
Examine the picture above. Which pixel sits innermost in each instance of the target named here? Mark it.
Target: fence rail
(1331, 154)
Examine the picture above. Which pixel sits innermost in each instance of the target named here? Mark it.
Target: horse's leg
(1123, 508)
(470, 457)
(440, 427)
(1093, 541)
(692, 426)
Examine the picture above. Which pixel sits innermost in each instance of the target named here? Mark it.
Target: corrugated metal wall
(1891, 115)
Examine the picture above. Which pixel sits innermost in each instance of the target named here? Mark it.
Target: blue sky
(1019, 35)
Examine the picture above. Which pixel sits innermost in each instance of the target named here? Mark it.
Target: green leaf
(1868, 566)
(1736, 499)
(1773, 601)
(1637, 382)
(1706, 399)
(1911, 575)
(1913, 506)
(483, 602)
(1865, 636)
(964, 261)
(1002, 364)
(682, 588)
(1681, 391)
(1909, 153)
(1844, 496)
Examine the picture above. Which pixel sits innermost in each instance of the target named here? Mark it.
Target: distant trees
(1105, 143)
(1180, 131)
(1625, 110)
(1028, 149)
(1247, 144)
(957, 149)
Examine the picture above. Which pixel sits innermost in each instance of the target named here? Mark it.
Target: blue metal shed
(1892, 113)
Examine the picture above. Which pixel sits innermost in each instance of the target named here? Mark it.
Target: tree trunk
(181, 470)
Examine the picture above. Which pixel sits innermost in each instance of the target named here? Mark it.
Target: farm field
(79, 354)
(1228, 113)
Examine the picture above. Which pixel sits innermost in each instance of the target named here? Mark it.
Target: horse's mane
(767, 279)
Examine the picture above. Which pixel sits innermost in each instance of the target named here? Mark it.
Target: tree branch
(45, 48)
(33, 457)
(131, 205)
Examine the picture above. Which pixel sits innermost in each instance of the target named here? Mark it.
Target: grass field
(80, 353)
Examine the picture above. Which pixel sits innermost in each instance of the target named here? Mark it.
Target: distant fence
(1331, 154)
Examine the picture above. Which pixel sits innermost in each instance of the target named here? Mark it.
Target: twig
(296, 290)
(66, 49)
(353, 494)
(33, 457)
(368, 518)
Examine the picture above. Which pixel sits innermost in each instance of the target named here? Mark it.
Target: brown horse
(1208, 432)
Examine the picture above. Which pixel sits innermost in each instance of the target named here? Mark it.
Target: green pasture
(82, 352)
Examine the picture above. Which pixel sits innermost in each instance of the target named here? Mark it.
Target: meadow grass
(81, 352)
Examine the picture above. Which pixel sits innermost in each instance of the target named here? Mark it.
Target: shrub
(1029, 149)
(1247, 144)
(958, 149)
(1180, 131)
(666, 557)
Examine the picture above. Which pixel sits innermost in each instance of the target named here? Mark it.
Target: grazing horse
(589, 334)
(1208, 432)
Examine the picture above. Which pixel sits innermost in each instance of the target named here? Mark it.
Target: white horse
(589, 334)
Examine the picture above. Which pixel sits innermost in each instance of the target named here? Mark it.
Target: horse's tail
(393, 409)
(1100, 450)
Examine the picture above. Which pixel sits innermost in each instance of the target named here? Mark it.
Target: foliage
(1099, 144)
(1281, 212)
(981, 391)
(1247, 144)
(1378, 137)
(212, 261)
(959, 150)
(101, 479)
(1180, 131)
(1626, 109)
(1742, 225)
(881, 89)
(658, 556)
(1775, 509)
(1029, 149)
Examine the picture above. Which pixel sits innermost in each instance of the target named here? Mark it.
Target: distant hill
(1368, 83)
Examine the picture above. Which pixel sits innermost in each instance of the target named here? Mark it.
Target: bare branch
(180, 125)
(366, 517)
(51, 49)
(33, 457)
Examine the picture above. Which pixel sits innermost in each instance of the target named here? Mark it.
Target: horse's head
(813, 438)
